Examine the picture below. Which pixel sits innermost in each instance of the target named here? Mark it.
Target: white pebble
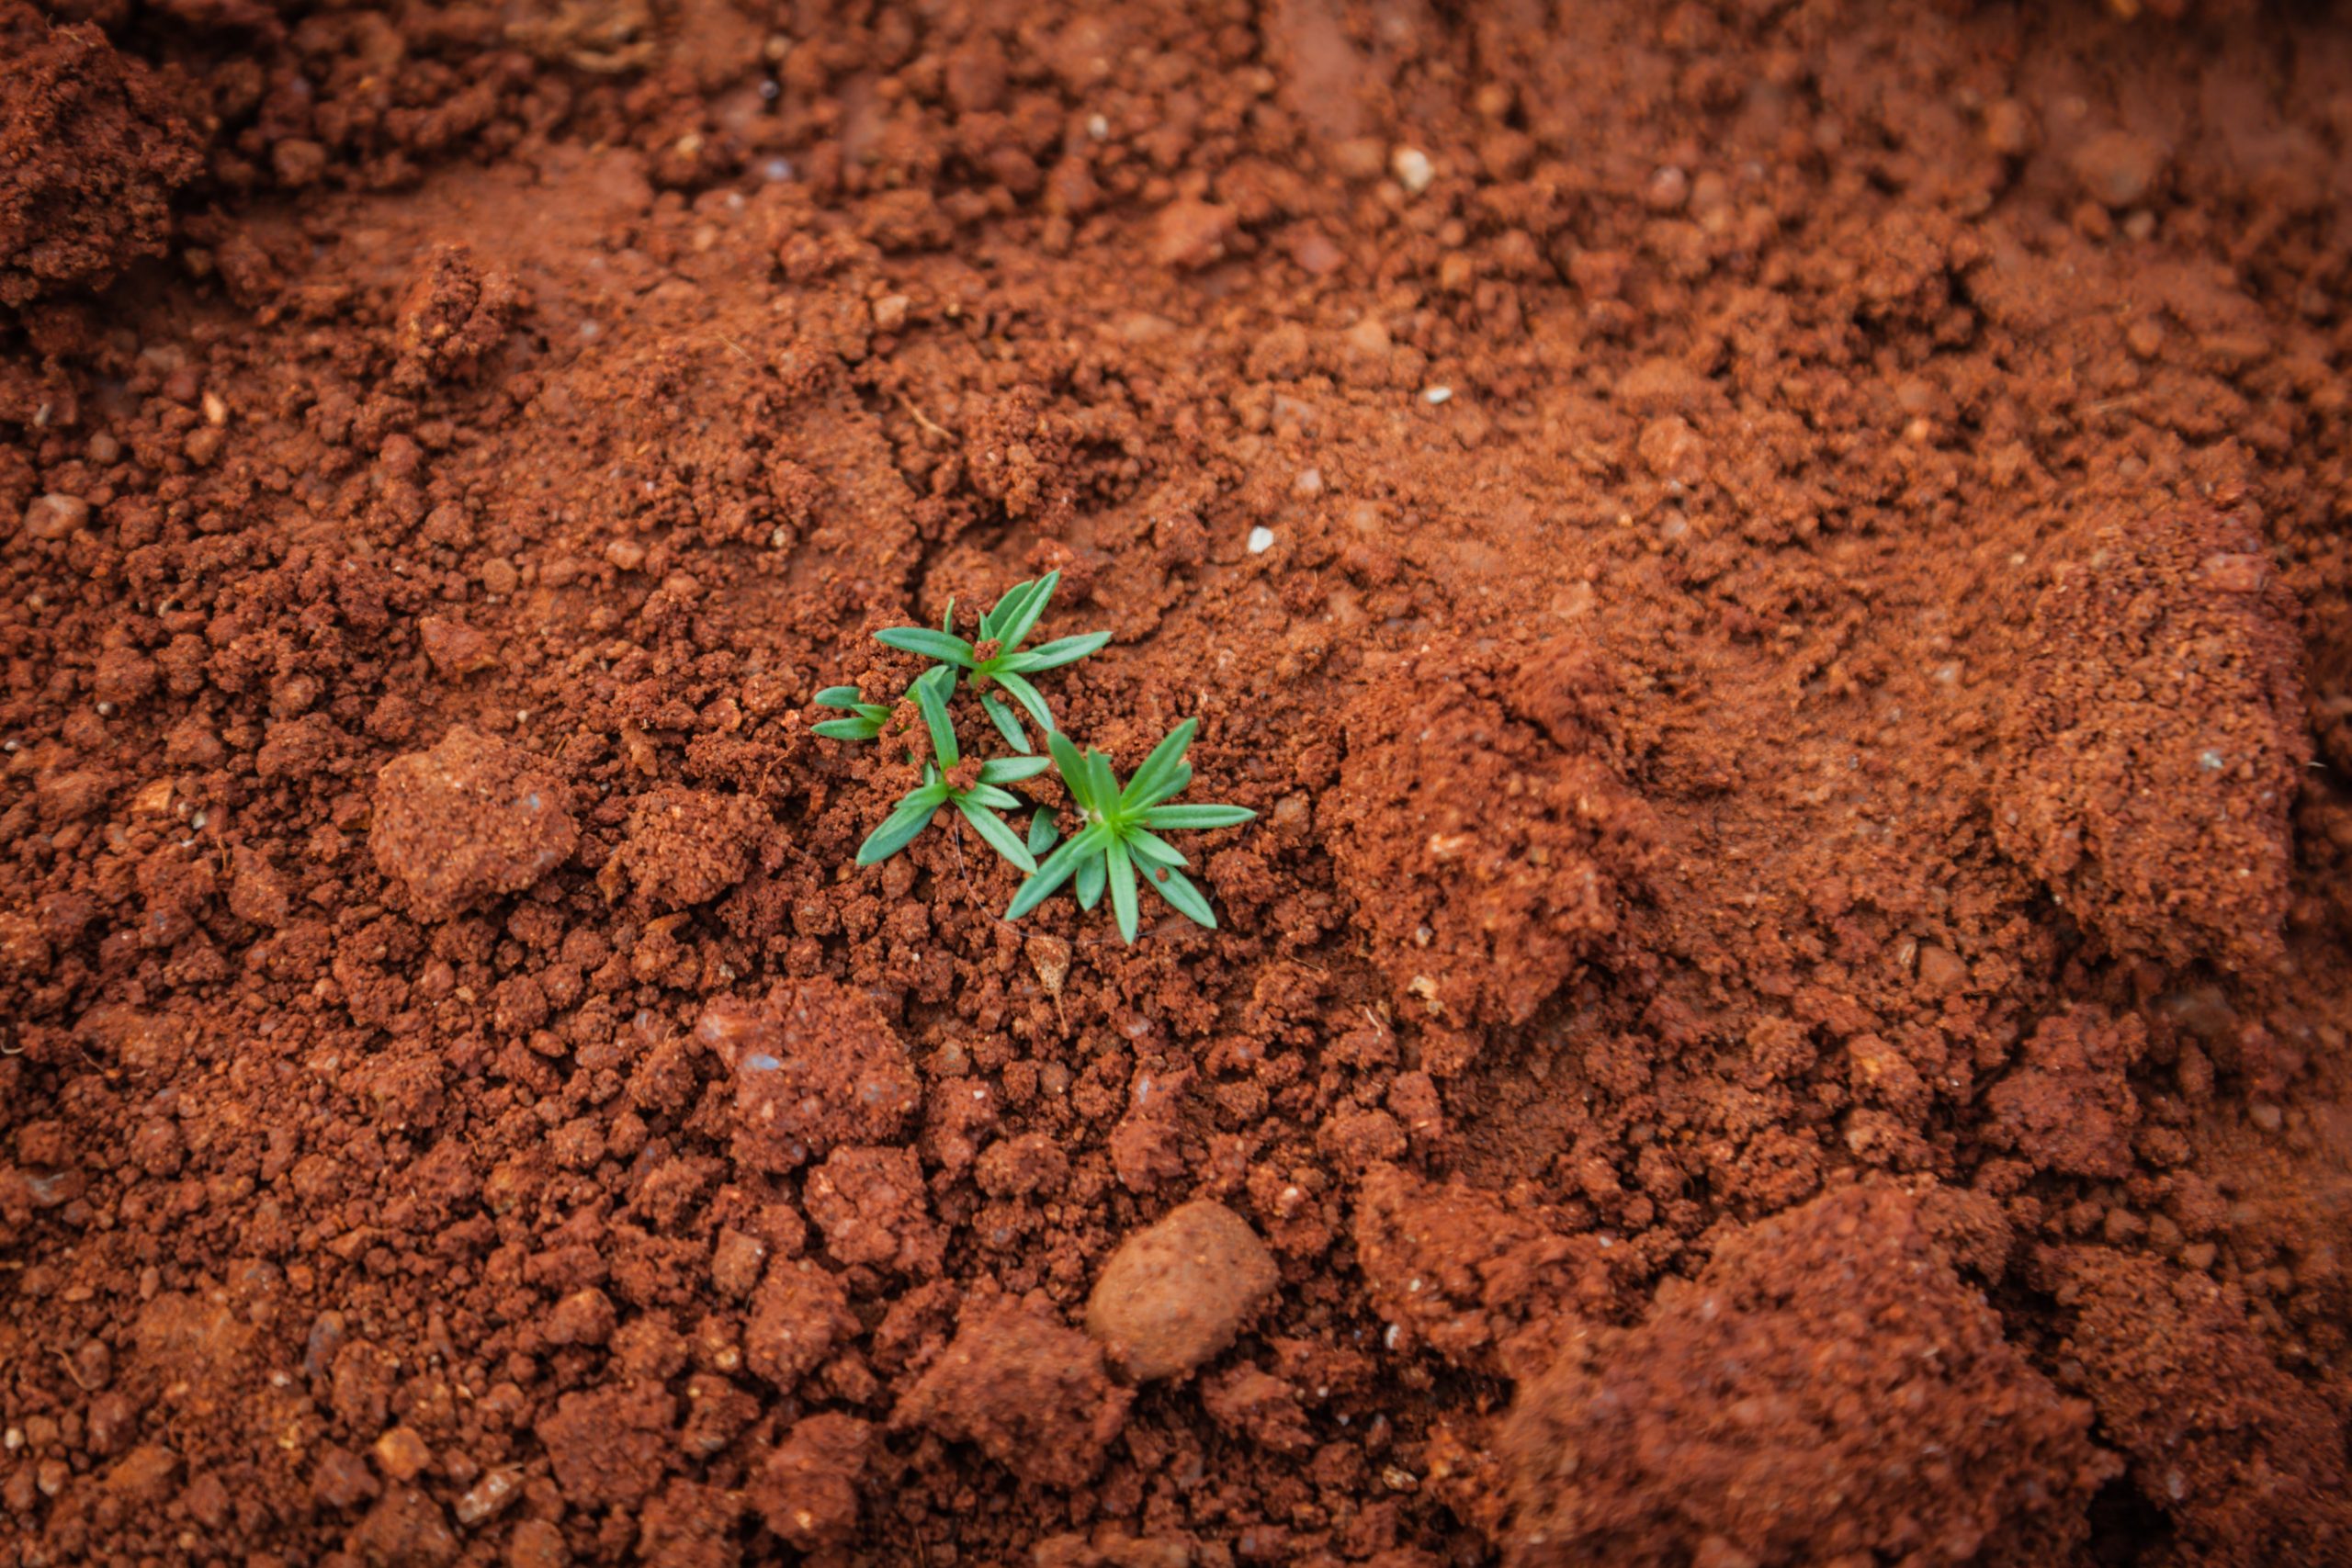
(1309, 482)
(1262, 539)
(1097, 127)
(1436, 395)
(1412, 169)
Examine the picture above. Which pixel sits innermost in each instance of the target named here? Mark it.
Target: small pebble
(1176, 1293)
(1412, 168)
(1262, 539)
(1436, 395)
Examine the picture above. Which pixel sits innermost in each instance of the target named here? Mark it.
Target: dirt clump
(685, 846)
(807, 1489)
(2165, 670)
(816, 1064)
(1484, 833)
(1826, 1387)
(470, 819)
(92, 151)
(1028, 1391)
(2068, 1105)
(2244, 1460)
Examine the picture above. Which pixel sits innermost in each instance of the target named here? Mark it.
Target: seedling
(1116, 839)
(996, 657)
(979, 797)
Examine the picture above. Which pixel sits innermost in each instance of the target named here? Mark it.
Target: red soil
(1784, 1001)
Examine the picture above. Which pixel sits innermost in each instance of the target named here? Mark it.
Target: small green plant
(979, 799)
(1115, 845)
(999, 657)
(1116, 839)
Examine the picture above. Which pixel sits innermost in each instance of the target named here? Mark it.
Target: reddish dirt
(1774, 574)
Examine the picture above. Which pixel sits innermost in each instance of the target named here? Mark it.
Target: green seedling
(1116, 839)
(997, 657)
(979, 800)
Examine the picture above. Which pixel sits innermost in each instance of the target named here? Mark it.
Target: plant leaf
(1010, 629)
(1006, 607)
(1026, 696)
(1055, 870)
(1089, 883)
(948, 619)
(1150, 849)
(1175, 784)
(1072, 768)
(838, 697)
(1001, 837)
(1006, 725)
(1160, 766)
(942, 646)
(899, 830)
(1186, 899)
(935, 719)
(1102, 781)
(1055, 654)
(847, 728)
(1043, 832)
(1197, 815)
(995, 799)
(1123, 890)
(1011, 770)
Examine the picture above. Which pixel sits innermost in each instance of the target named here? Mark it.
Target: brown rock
(406, 1530)
(1175, 1293)
(1189, 234)
(2117, 168)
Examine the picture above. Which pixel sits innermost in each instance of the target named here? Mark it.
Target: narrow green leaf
(1006, 608)
(1026, 696)
(837, 697)
(1006, 725)
(1103, 782)
(1010, 630)
(1175, 784)
(899, 828)
(1055, 654)
(929, 643)
(1197, 815)
(1011, 770)
(1150, 849)
(1043, 832)
(847, 728)
(995, 799)
(935, 719)
(1072, 768)
(947, 620)
(1160, 766)
(1186, 899)
(1089, 883)
(1123, 890)
(1055, 870)
(1001, 837)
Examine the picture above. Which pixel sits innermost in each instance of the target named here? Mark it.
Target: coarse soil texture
(1774, 572)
